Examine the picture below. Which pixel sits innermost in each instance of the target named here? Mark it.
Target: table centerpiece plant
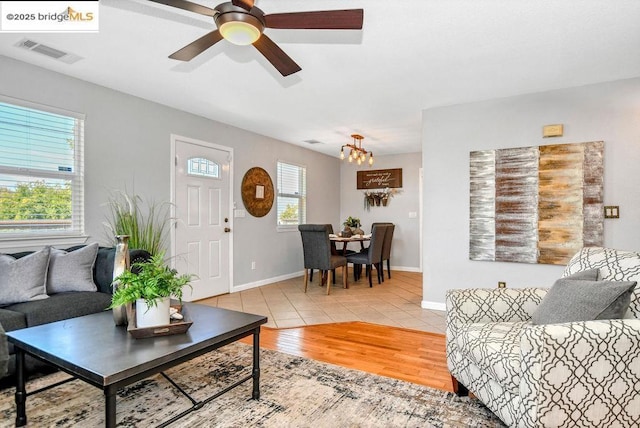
(352, 227)
(151, 289)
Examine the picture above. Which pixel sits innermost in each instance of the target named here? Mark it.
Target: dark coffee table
(93, 349)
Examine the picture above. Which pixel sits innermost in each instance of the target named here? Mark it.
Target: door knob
(227, 230)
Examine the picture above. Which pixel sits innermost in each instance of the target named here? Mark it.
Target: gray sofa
(62, 305)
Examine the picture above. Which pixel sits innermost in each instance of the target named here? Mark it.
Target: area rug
(295, 392)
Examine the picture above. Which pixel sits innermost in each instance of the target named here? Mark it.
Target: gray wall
(127, 144)
(609, 112)
(405, 252)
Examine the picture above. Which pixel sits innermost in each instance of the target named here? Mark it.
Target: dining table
(346, 240)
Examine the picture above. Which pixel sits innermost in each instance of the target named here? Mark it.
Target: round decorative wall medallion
(257, 192)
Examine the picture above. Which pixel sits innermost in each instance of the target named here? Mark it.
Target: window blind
(41, 169)
(292, 193)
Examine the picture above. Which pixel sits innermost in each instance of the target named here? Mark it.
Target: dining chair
(334, 251)
(371, 257)
(316, 248)
(386, 247)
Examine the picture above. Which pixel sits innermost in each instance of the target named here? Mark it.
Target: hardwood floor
(399, 353)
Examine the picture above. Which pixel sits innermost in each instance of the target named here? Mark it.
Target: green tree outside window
(290, 214)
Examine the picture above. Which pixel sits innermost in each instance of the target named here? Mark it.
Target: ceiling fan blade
(319, 20)
(187, 5)
(245, 4)
(195, 48)
(276, 56)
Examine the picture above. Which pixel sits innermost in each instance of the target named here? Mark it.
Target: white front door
(201, 201)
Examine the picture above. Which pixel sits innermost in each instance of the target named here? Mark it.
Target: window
(41, 171)
(292, 195)
(203, 167)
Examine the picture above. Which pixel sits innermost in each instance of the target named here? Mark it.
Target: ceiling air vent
(46, 50)
(49, 51)
(29, 44)
(313, 142)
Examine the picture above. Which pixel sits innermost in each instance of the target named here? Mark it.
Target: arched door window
(203, 167)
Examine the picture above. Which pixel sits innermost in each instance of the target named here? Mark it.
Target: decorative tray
(174, 327)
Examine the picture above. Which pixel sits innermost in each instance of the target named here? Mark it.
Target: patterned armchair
(578, 374)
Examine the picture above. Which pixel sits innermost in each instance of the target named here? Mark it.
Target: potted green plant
(151, 289)
(351, 226)
(352, 222)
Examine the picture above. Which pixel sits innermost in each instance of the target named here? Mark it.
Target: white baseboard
(250, 285)
(436, 306)
(404, 268)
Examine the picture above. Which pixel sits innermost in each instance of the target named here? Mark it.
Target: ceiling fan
(241, 23)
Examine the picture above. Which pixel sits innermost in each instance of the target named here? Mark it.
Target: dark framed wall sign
(379, 178)
(257, 192)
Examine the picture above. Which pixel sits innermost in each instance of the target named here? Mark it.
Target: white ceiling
(410, 55)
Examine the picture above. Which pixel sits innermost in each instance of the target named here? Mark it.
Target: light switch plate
(612, 211)
(239, 213)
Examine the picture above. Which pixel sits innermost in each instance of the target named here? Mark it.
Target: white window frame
(28, 241)
(302, 213)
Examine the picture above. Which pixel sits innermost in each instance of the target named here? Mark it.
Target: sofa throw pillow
(614, 265)
(581, 297)
(587, 275)
(23, 279)
(72, 271)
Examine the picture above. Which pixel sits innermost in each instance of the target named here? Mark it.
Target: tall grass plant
(146, 223)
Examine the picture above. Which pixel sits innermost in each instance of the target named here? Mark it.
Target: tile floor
(396, 302)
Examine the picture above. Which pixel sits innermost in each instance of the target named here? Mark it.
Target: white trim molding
(267, 281)
(403, 269)
(250, 285)
(38, 242)
(436, 306)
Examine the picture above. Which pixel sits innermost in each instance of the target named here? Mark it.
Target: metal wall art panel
(516, 201)
(536, 204)
(482, 224)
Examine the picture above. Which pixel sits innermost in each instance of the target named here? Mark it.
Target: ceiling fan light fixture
(239, 28)
(239, 33)
(242, 23)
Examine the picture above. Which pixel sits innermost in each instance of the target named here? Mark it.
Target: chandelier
(356, 152)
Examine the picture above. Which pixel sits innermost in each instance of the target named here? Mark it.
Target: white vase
(152, 316)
